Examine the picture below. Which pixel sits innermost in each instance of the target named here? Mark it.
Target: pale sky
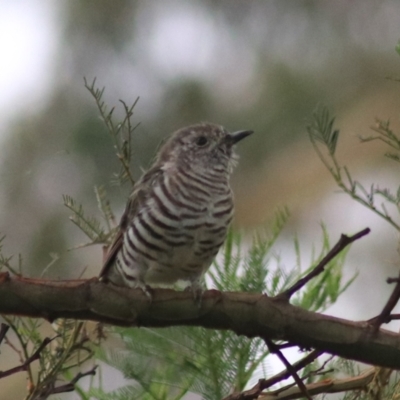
(28, 40)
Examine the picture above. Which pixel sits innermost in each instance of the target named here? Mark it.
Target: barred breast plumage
(177, 217)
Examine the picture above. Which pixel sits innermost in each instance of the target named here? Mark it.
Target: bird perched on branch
(179, 212)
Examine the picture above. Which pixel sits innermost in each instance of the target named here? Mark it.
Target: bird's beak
(239, 135)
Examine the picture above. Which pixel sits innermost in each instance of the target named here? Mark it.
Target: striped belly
(176, 235)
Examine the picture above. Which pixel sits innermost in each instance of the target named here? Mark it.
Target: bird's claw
(197, 291)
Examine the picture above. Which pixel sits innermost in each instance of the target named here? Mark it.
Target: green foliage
(104, 206)
(121, 132)
(386, 135)
(249, 272)
(169, 363)
(5, 261)
(398, 47)
(90, 226)
(58, 356)
(321, 130)
(323, 290)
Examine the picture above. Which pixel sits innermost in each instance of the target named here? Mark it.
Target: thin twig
(263, 384)
(359, 382)
(3, 331)
(343, 242)
(70, 386)
(12, 346)
(273, 348)
(384, 316)
(29, 360)
(321, 370)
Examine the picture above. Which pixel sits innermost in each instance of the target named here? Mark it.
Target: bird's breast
(179, 230)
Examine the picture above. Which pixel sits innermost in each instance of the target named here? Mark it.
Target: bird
(178, 214)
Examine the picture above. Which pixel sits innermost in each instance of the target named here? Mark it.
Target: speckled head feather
(201, 145)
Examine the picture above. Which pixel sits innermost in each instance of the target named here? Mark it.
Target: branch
(359, 382)
(249, 314)
(70, 386)
(273, 348)
(385, 315)
(3, 331)
(391, 317)
(263, 384)
(32, 358)
(343, 242)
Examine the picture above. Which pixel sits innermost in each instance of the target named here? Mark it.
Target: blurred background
(261, 65)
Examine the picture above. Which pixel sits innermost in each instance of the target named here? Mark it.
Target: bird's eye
(201, 141)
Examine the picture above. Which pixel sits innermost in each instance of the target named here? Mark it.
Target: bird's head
(201, 146)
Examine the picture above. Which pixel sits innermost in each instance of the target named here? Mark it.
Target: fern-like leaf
(90, 226)
(321, 129)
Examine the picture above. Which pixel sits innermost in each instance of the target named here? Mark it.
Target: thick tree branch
(244, 313)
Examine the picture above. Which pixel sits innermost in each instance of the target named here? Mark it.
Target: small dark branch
(70, 386)
(273, 348)
(33, 357)
(321, 369)
(343, 242)
(263, 384)
(297, 366)
(15, 349)
(392, 280)
(328, 385)
(391, 317)
(384, 316)
(3, 331)
(319, 372)
(286, 345)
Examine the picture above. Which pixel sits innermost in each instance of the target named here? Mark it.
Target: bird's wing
(136, 199)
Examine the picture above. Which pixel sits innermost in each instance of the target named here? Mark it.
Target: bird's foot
(197, 290)
(146, 289)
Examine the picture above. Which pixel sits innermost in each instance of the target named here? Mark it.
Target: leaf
(104, 206)
(321, 129)
(88, 225)
(397, 48)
